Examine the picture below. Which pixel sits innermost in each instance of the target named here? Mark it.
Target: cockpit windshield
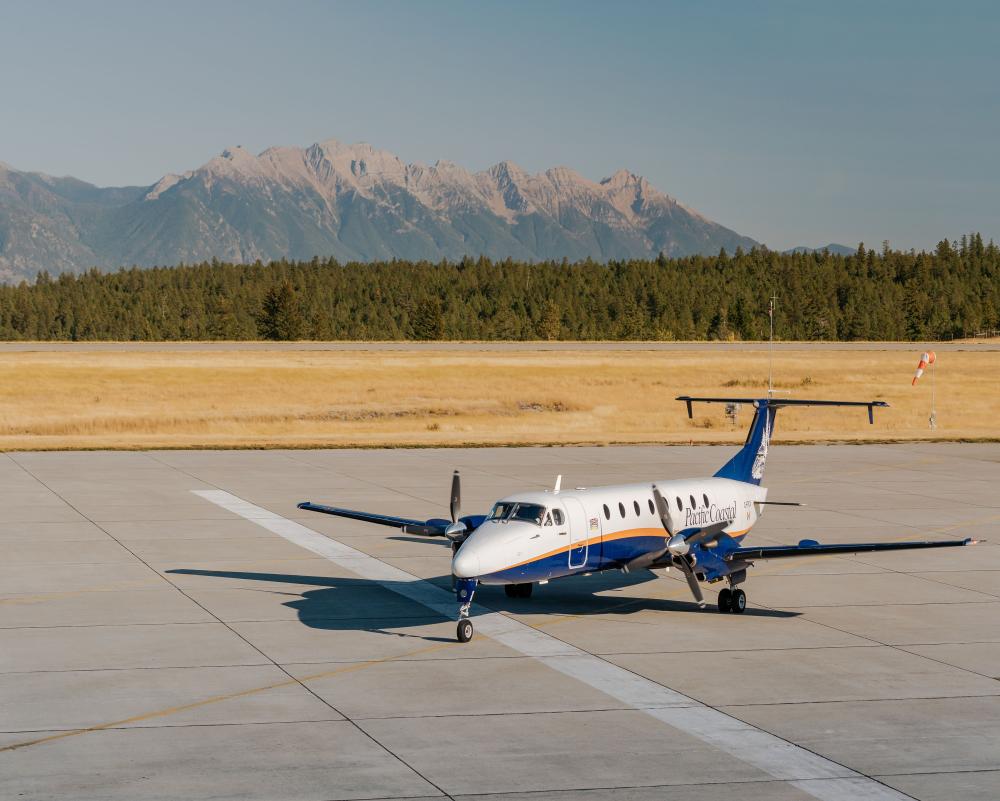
(501, 511)
(529, 513)
(525, 512)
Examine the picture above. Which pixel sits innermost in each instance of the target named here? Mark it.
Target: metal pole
(770, 349)
(933, 417)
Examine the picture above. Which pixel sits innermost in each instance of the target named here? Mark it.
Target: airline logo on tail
(757, 471)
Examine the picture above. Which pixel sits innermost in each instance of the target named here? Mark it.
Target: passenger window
(607, 512)
(694, 503)
(652, 509)
(680, 506)
(621, 509)
(548, 519)
(705, 497)
(635, 505)
(557, 515)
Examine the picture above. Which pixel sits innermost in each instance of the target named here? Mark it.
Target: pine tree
(550, 326)
(428, 321)
(281, 317)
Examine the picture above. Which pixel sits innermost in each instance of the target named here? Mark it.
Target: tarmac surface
(172, 627)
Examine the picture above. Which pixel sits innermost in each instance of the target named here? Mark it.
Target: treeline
(891, 294)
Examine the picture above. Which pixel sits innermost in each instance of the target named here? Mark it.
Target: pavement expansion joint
(535, 706)
(749, 744)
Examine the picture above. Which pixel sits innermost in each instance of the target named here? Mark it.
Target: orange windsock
(925, 359)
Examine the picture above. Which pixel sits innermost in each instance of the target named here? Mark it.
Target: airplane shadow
(356, 604)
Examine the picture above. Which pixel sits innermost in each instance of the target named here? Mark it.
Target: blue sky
(791, 122)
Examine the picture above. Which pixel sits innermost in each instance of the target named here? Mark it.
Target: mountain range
(349, 202)
(836, 250)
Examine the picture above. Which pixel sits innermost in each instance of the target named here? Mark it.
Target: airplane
(697, 525)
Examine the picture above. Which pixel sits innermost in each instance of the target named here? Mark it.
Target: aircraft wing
(456, 529)
(423, 528)
(368, 517)
(813, 548)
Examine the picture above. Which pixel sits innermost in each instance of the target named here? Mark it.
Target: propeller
(457, 527)
(678, 545)
(454, 530)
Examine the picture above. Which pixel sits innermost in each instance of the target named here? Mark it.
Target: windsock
(925, 359)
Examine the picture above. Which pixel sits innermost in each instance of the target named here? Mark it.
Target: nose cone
(466, 564)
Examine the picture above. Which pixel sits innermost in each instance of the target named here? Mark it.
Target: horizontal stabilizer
(748, 463)
(778, 403)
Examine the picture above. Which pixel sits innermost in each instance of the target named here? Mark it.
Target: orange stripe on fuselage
(616, 535)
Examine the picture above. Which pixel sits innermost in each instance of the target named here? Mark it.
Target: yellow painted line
(562, 619)
(173, 710)
(27, 598)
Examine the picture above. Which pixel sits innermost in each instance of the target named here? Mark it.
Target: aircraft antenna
(770, 348)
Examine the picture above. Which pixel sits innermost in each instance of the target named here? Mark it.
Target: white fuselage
(585, 530)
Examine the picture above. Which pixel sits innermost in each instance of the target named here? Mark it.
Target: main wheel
(524, 590)
(738, 603)
(465, 631)
(511, 590)
(725, 599)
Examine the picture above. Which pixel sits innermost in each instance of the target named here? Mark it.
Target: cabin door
(579, 532)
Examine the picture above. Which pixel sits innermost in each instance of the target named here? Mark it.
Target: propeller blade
(661, 509)
(456, 497)
(455, 529)
(708, 533)
(692, 581)
(680, 544)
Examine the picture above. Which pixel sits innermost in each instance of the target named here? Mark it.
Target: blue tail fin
(748, 463)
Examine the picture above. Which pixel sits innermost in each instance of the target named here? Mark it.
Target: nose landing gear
(464, 590)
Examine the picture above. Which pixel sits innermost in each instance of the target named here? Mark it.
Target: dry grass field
(235, 398)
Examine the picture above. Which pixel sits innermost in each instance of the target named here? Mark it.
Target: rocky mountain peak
(622, 178)
(347, 201)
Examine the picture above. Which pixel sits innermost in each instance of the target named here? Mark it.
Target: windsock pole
(933, 418)
(927, 361)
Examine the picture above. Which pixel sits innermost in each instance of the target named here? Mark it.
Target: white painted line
(809, 772)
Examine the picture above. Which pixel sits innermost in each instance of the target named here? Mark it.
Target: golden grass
(233, 398)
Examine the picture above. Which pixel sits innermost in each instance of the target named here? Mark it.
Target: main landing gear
(734, 601)
(518, 590)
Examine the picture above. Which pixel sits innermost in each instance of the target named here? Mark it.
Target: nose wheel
(465, 630)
